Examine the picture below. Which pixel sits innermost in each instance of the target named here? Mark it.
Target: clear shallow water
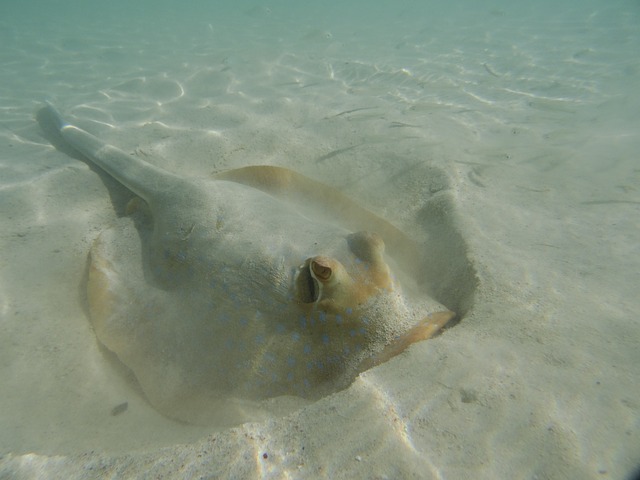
(550, 87)
(480, 70)
(477, 69)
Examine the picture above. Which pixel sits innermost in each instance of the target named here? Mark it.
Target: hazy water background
(551, 86)
(495, 57)
(467, 71)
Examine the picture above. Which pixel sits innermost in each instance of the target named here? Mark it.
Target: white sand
(507, 140)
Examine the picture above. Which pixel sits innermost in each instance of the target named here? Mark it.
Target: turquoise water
(456, 53)
(488, 94)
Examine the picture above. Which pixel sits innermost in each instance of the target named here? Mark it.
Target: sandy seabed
(509, 148)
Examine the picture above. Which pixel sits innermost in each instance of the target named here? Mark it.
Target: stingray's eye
(321, 272)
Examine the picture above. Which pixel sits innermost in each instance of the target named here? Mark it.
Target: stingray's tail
(140, 177)
(53, 116)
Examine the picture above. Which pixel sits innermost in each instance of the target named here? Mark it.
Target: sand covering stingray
(221, 292)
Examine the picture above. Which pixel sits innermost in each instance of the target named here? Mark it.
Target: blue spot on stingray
(309, 365)
(352, 333)
(280, 328)
(365, 320)
(290, 377)
(244, 321)
(307, 349)
(322, 316)
(291, 361)
(259, 339)
(339, 319)
(302, 322)
(295, 336)
(349, 311)
(325, 338)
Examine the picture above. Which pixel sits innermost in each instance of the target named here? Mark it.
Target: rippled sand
(506, 140)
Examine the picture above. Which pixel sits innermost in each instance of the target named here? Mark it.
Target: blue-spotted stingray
(220, 291)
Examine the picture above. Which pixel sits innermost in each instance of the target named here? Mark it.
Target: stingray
(227, 291)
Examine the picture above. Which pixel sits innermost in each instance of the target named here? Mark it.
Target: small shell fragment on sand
(120, 408)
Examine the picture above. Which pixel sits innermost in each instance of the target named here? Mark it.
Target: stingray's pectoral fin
(107, 296)
(424, 330)
(116, 289)
(100, 298)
